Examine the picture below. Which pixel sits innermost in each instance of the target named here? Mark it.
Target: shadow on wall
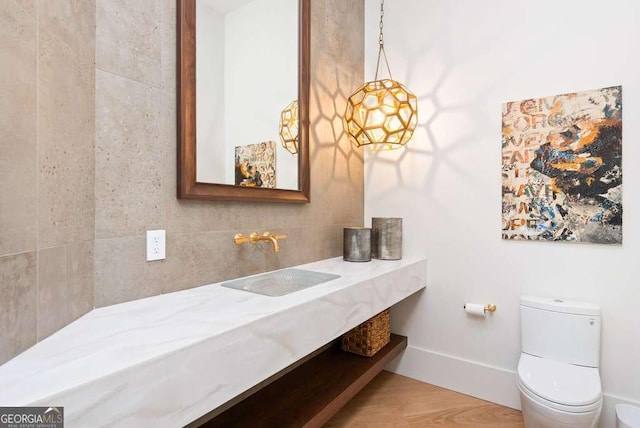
(327, 132)
(447, 133)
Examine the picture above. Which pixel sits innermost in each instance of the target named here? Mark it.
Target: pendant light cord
(381, 45)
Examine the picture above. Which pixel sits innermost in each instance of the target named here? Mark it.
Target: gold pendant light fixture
(289, 127)
(381, 114)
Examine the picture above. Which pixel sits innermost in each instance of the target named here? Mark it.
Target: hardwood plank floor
(391, 400)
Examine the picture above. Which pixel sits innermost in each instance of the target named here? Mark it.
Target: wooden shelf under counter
(311, 393)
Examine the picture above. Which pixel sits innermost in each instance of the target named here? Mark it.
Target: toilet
(558, 375)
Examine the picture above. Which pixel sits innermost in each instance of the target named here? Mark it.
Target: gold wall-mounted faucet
(240, 239)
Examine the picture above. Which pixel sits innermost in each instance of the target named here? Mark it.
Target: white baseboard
(478, 380)
(467, 377)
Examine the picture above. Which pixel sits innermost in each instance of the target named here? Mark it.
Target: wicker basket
(370, 336)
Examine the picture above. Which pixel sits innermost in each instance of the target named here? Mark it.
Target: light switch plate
(156, 245)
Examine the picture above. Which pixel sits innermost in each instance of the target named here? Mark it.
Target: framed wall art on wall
(562, 167)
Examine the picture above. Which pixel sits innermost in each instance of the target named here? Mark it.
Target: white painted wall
(261, 79)
(463, 59)
(210, 126)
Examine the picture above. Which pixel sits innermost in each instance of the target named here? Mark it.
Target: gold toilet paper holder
(490, 307)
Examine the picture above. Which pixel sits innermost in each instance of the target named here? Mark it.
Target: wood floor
(391, 400)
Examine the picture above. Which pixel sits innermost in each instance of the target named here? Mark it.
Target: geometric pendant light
(289, 127)
(381, 114)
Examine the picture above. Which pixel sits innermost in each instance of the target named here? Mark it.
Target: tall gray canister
(386, 238)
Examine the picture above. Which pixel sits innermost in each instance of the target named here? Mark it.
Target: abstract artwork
(562, 167)
(255, 165)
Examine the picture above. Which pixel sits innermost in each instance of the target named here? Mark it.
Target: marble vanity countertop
(169, 359)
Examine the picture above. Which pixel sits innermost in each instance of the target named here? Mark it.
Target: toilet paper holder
(489, 307)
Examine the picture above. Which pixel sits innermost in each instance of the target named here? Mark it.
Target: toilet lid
(558, 382)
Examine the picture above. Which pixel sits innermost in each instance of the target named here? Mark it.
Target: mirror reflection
(247, 92)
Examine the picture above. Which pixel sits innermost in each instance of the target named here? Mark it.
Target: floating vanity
(170, 359)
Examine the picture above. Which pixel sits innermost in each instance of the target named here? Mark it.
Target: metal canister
(357, 244)
(386, 238)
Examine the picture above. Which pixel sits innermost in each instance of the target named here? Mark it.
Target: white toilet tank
(561, 330)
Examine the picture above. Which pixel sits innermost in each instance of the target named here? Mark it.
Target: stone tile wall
(47, 132)
(88, 163)
(136, 160)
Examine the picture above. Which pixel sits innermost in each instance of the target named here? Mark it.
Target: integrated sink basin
(280, 282)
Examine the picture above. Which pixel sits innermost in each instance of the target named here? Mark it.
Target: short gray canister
(627, 416)
(356, 245)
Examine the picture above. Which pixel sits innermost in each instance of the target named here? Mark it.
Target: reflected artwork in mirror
(242, 64)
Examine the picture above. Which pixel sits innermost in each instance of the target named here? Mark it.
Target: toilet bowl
(558, 376)
(555, 394)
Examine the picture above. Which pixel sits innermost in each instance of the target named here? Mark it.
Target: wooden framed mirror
(254, 103)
